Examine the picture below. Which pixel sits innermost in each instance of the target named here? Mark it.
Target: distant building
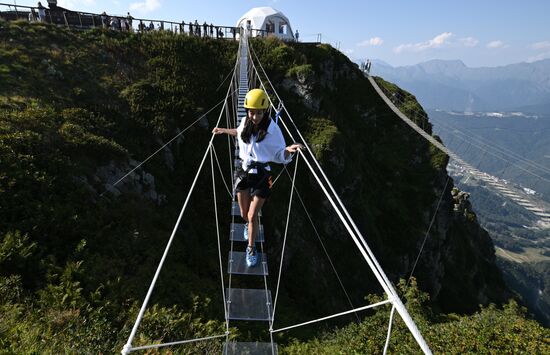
(269, 21)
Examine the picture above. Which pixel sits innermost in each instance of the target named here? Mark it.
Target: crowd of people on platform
(126, 23)
(190, 28)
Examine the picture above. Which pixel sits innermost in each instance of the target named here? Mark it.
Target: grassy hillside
(78, 110)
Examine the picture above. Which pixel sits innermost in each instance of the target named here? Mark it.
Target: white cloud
(435, 42)
(496, 45)
(375, 41)
(541, 56)
(469, 41)
(349, 51)
(145, 6)
(541, 45)
(75, 4)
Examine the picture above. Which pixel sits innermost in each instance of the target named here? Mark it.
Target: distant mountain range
(451, 85)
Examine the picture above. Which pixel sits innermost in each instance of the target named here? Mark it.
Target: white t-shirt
(270, 149)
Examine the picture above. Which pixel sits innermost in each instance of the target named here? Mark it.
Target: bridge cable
(308, 149)
(284, 242)
(357, 238)
(389, 331)
(221, 172)
(484, 147)
(429, 229)
(226, 314)
(324, 248)
(164, 145)
(128, 346)
(362, 246)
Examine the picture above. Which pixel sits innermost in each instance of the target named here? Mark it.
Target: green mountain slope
(78, 110)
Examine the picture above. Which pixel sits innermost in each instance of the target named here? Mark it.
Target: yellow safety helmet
(256, 99)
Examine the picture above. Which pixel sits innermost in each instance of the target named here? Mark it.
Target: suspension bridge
(260, 304)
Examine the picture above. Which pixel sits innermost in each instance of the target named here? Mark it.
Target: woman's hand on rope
(219, 130)
(293, 148)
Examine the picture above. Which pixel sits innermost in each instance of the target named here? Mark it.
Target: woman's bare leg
(253, 223)
(243, 197)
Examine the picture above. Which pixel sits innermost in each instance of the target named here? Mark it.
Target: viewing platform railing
(85, 20)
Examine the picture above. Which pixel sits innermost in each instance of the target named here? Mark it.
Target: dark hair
(249, 128)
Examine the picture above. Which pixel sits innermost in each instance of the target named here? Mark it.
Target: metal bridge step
(240, 348)
(249, 304)
(237, 232)
(236, 264)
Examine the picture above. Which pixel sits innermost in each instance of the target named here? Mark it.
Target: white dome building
(268, 21)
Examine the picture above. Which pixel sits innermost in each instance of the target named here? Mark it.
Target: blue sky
(404, 32)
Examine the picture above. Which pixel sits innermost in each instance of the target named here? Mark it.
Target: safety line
(218, 237)
(221, 172)
(333, 316)
(480, 147)
(324, 248)
(308, 149)
(227, 76)
(278, 176)
(480, 175)
(470, 138)
(284, 241)
(429, 229)
(164, 146)
(128, 345)
(153, 346)
(361, 243)
(389, 331)
(234, 101)
(470, 135)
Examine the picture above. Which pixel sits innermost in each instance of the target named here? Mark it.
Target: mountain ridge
(451, 85)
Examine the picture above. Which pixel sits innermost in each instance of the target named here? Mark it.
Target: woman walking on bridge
(260, 141)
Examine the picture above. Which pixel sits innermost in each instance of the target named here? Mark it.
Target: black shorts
(258, 184)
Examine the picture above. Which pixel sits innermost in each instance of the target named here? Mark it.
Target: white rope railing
(154, 346)
(429, 228)
(355, 234)
(329, 184)
(218, 238)
(388, 336)
(415, 113)
(165, 145)
(480, 175)
(128, 346)
(324, 248)
(284, 242)
(333, 316)
(221, 172)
